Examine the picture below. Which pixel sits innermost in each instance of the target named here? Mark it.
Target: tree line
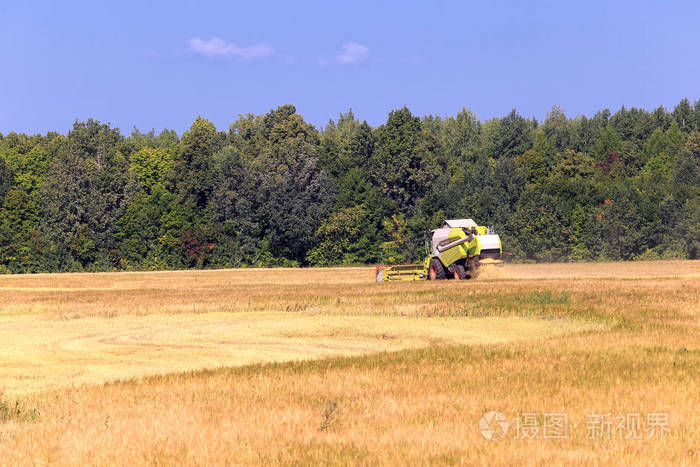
(274, 190)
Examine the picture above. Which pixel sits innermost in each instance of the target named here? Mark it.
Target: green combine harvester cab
(455, 251)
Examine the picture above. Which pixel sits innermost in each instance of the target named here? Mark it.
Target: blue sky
(160, 64)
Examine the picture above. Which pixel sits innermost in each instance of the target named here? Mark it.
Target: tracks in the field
(41, 353)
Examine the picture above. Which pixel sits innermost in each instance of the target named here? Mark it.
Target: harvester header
(456, 251)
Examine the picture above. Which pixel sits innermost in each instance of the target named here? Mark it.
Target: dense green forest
(275, 191)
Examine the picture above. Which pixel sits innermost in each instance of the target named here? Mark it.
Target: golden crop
(305, 366)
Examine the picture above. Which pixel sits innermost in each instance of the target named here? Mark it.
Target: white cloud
(216, 47)
(352, 53)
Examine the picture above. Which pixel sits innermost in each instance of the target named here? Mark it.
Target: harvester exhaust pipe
(442, 248)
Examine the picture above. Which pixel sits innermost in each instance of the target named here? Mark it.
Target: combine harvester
(454, 251)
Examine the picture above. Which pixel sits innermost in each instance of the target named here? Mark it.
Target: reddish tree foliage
(194, 245)
(606, 165)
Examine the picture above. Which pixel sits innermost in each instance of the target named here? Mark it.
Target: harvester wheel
(460, 272)
(436, 270)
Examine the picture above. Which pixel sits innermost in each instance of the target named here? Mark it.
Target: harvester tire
(460, 273)
(436, 271)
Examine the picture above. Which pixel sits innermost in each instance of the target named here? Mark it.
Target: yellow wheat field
(306, 366)
(42, 353)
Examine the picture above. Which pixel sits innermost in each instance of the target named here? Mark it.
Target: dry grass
(641, 354)
(42, 354)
